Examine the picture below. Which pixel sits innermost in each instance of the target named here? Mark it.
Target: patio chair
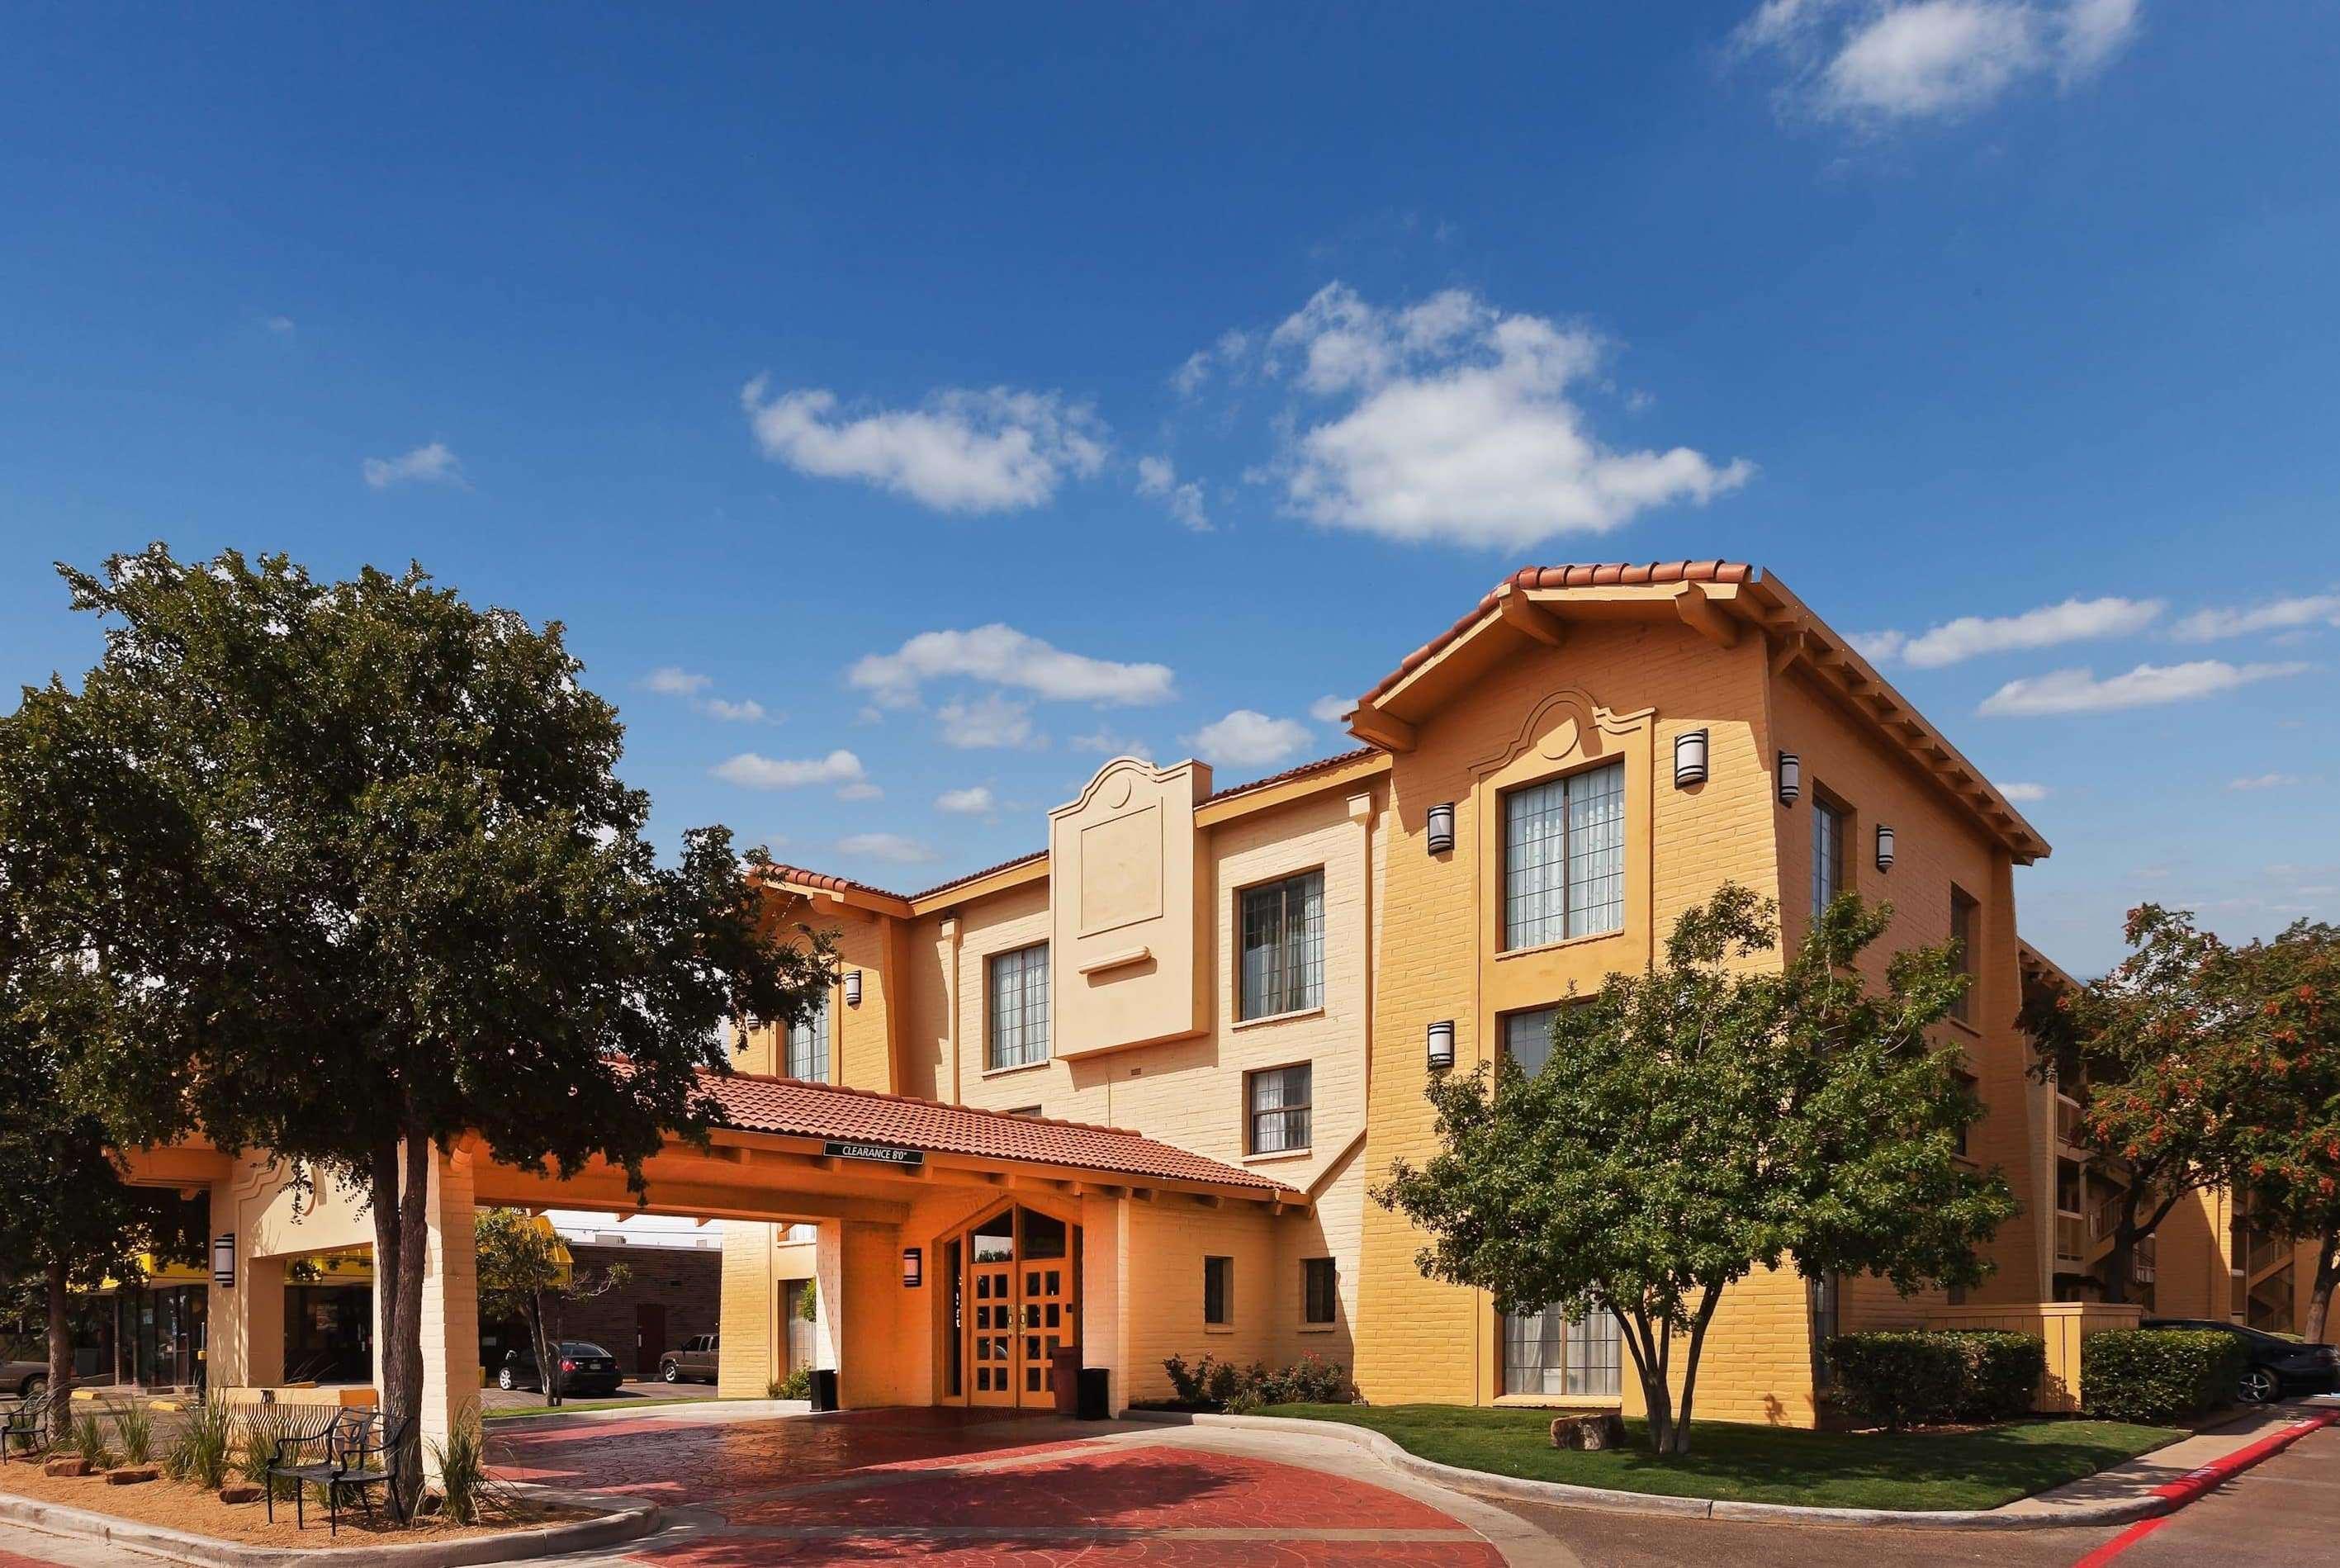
(358, 1452)
(35, 1426)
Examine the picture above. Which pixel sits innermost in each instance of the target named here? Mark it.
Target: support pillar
(450, 1306)
(244, 1323)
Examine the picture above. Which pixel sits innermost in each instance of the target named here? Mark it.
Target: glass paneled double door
(1020, 1305)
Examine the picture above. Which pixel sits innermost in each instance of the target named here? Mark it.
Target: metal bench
(349, 1453)
(36, 1424)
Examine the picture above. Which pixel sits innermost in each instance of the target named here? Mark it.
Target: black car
(585, 1368)
(2277, 1365)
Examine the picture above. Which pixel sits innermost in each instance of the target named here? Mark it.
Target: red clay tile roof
(1320, 765)
(827, 883)
(755, 1104)
(1604, 574)
(978, 875)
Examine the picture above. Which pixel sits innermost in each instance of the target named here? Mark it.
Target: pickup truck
(694, 1363)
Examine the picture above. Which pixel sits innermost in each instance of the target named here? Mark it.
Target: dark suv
(2277, 1365)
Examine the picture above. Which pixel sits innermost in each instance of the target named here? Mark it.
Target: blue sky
(904, 407)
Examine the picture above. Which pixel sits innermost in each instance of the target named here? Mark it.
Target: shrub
(205, 1445)
(1210, 1382)
(797, 1384)
(2002, 1373)
(135, 1425)
(1902, 1377)
(2158, 1373)
(89, 1442)
(462, 1463)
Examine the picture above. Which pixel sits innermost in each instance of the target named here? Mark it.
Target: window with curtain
(807, 1055)
(1283, 947)
(1278, 1100)
(1545, 1353)
(1827, 854)
(1965, 930)
(1019, 1007)
(1565, 858)
(1527, 1038)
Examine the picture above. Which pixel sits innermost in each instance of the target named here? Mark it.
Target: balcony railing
(2143, 1258)
(2071, 1238)
(2266, 1251)
(2067, 1119)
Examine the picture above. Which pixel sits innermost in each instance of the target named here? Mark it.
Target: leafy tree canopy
(1718, 1113)
(2286, 1147)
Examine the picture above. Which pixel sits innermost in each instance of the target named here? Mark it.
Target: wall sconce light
(1884, 847)
(223, 1261)
(1441, 827)
(1689, 758)
(1441, 1045)
(852, 987)
(913, 1267)
(1791, 778)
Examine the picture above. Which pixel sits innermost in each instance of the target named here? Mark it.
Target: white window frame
(1031, 1009)
(1576, 886)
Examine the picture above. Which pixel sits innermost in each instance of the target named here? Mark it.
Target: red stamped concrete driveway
(958, 1491)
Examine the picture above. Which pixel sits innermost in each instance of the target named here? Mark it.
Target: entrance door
(991, 1289)
(650, 1337)
(1022, 1304)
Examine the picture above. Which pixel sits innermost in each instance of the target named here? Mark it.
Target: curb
(2194, 1482)
(1604, 1500)
(622, 1521)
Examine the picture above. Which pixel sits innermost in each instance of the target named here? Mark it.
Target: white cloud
(1455, 424)
(862, 791)
(1158, 478)
(2276, 615)
(1003, 656)
(892, 848)
(2265, 781)
(1226, 354)
(2023, 794)
(1247, 739)
(2080, 690)
(747, 712)
(431, 464)
(1970, 636)
(1875, 61)
(280, 325)
(758, 772)
(986, 721)
(1109, 743)
(965, 449)
(671, 680)
(1331, 709)
(972, 801)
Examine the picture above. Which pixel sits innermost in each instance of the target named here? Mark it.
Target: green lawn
(1911, 1471)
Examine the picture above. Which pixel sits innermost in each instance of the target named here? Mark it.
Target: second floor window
(1565, 858)
(1966, 931)
(807, 1047)
(1283, 947)
(1278, 1103)
(1827, 854)
(1527, 1038)
(1019, 1008)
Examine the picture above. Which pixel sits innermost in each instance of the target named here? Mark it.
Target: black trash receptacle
(824, 1388)
(1096, 1394)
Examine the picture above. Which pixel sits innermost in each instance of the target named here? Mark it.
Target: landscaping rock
(239, 1491)
(1591, 1433)
(131, 1474)
(65, 1467)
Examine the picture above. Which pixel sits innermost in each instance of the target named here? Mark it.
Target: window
(1278, 1103)
(1319, 1290)
(808, 1046)
(1828, 854)
(1527, 1038)
(1024, 1111)
(1218, 1291)
(1283, 947)
(1965, 930)
(1565, 858)
(1019, 1008)
(1545, 1353)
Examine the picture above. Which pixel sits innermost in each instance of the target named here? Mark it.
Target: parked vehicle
(694, 1363)
(585, 1368)
(2277, 1365)
(24, 1379)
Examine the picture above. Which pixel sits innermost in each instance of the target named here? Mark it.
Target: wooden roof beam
(1699, 613)
(1386, 730)
(1526, 616)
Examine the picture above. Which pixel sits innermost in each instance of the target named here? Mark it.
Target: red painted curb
(2194, 1482)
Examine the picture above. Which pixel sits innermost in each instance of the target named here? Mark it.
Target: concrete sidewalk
(2143, 1479)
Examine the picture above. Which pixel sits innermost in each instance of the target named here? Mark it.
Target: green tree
(522, 1278)
(2285, 1149)
(2160, 1052)
(1716, 1114)
(367, 881)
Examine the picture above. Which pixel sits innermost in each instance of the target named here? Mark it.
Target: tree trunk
(2327, 1273)
(401, 1201)
(1690, 1368)
(60, 1334)
(548, 1360)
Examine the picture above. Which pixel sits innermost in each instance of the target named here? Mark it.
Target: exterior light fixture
(1791, 778)
(1884, 847)
(913, 1267)
(1441, 1045)
(852, 987)
(1689, 758)
(223, 1261)
(1441, 827)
